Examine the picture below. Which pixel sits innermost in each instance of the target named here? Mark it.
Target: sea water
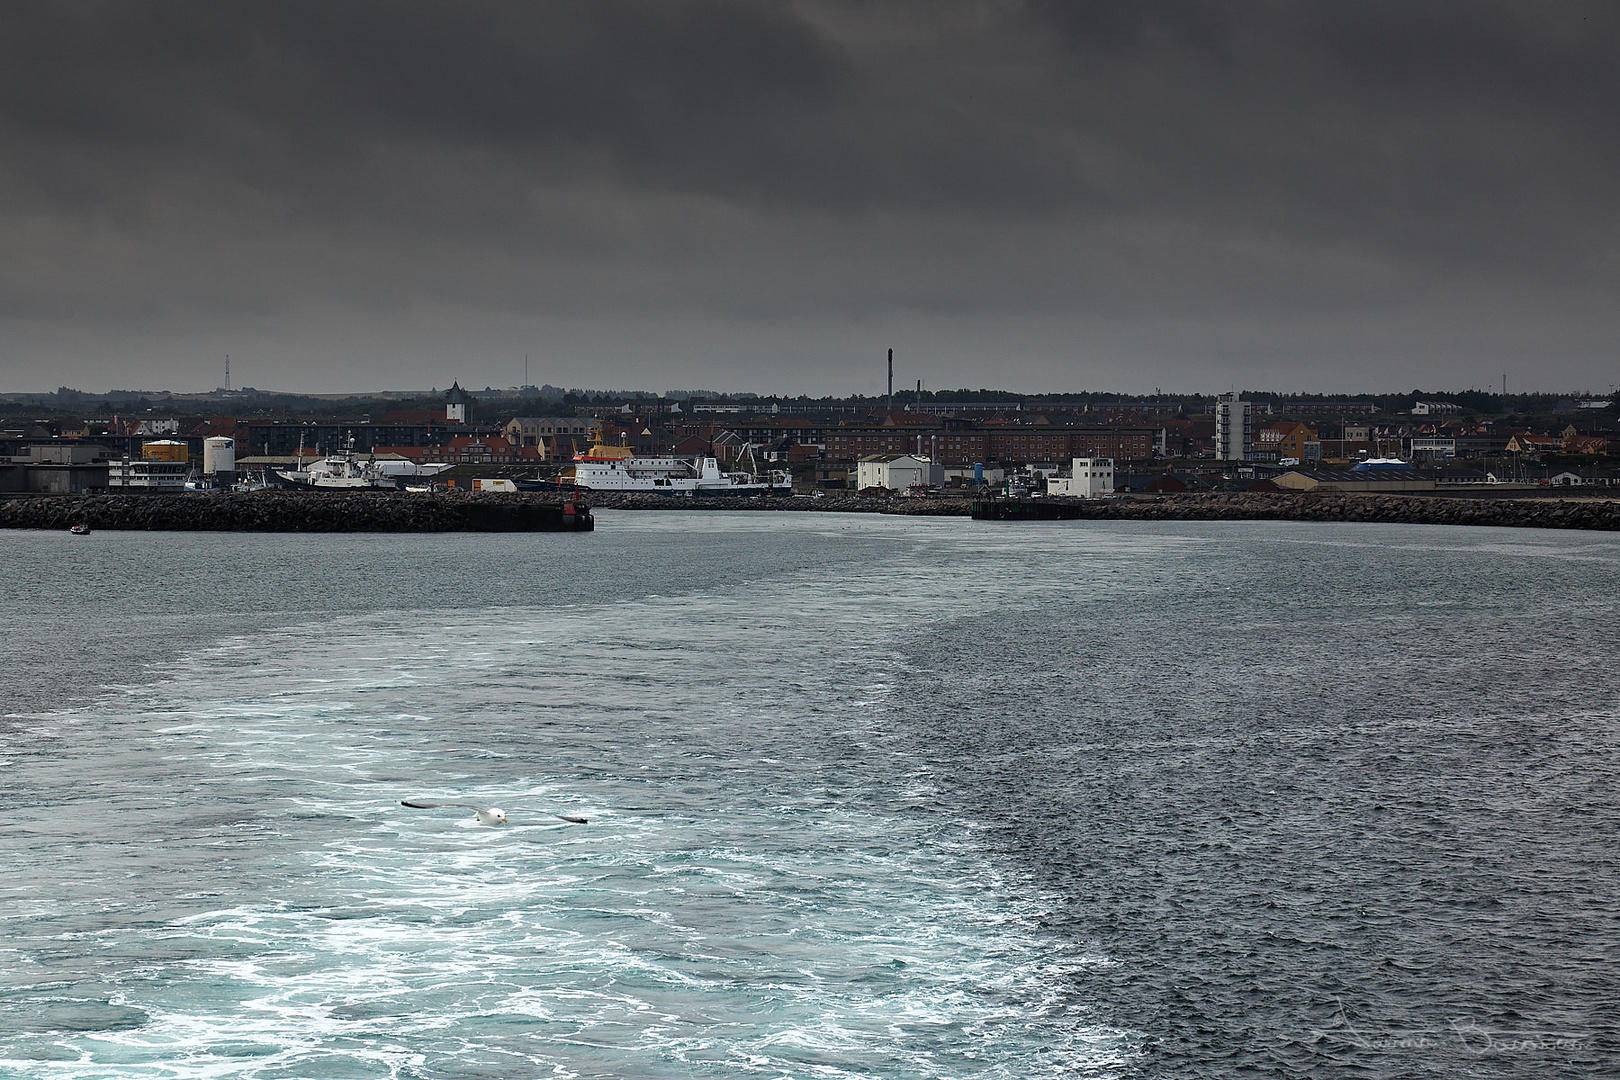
(868, 797)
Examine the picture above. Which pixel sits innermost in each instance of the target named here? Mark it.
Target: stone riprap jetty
(299, 511)
(291, 511)
(1520, 512)
(1529, 513)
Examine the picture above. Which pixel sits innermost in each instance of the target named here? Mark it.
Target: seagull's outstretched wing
(485, 812)
(550, 813)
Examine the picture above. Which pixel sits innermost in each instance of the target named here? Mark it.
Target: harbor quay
(295, 511)
(367, 511)
(1521, 511)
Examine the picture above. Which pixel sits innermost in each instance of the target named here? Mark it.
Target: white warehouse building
(1089, 478)
(897, 472)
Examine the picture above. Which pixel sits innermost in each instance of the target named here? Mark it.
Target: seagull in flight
(492, 815)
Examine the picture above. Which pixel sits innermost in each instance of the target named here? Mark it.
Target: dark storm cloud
(1151, 160)
(289, 90)
(1456, 131)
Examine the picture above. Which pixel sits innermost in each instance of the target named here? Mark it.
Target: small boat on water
(81, 529)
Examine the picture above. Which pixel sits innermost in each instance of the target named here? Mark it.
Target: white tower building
(1234, 428)
(219, 460)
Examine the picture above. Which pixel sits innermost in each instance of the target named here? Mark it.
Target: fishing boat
(81, 529)
(345, 470)
(616, 468)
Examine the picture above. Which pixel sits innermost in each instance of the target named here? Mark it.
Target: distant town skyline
(1336, 197)
(903, 397)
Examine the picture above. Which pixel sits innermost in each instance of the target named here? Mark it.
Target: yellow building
(163, 450)
(1299, 442)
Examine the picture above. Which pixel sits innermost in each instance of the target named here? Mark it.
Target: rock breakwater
(293, 511)
(1534, 513)
(290, 511)
(1602, 514)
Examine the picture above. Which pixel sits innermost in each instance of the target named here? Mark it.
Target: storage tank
(164, 450)
(219, 460)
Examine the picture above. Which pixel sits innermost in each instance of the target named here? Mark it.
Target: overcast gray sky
(1045, 195)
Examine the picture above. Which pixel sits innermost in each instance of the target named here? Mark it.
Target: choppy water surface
(868, 797)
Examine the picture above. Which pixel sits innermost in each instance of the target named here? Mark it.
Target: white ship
(346, 470)
(614, 468)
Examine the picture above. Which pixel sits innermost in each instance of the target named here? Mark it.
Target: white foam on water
(766, 888)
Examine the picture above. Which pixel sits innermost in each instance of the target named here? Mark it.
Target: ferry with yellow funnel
(616, 468)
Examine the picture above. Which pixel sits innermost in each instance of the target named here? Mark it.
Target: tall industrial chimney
(891, 379)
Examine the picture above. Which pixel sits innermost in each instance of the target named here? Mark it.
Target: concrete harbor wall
(294, 511)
